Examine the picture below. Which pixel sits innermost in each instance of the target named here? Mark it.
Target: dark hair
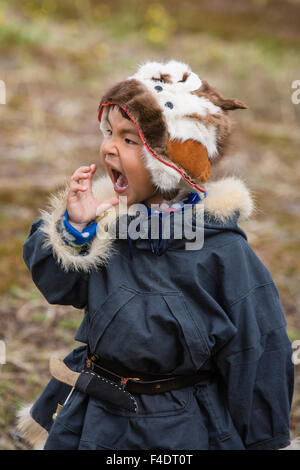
(167, 195)
(123, 113)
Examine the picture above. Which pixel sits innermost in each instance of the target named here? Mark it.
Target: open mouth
(120, 181)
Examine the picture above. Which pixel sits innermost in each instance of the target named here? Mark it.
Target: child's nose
(109, 146)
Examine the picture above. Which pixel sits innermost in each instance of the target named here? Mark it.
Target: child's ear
(213, 95)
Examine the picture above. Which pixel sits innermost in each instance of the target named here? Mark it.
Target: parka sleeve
(61, 271)
(256, 363)
(57, 285)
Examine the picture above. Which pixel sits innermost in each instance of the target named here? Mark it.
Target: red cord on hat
(144, 142)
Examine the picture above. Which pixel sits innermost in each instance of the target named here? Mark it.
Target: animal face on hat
(182, 121)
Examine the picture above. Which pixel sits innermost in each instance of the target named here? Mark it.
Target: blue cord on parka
(159, 245)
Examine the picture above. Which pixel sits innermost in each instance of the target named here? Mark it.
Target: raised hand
(82, 206)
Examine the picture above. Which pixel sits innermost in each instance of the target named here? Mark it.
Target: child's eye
(109, 132)
(130, 141)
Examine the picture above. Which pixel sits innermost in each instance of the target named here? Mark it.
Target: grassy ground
(56, 59)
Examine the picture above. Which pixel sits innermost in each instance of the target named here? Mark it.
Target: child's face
(121, 150)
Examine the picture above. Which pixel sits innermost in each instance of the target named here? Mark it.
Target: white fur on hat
(184, 103)
(181, 120)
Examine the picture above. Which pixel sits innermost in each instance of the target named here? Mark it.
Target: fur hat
(182, 121)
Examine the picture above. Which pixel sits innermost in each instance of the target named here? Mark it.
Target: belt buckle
(124, 380)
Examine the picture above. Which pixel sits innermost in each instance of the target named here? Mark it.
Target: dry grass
(56, 59)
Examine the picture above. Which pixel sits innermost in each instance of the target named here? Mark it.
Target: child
(182, 348)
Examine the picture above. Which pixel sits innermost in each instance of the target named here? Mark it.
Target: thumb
(106, 205)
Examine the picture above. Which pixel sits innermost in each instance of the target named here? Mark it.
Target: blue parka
(175, 311)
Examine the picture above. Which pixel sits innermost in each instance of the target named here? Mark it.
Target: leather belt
(136, 382)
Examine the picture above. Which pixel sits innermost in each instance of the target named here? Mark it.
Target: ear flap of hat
(192, 156)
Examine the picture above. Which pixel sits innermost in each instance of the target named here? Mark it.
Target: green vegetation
(56, 58)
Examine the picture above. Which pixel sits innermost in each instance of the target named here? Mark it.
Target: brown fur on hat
(182, 120)
(142, 106)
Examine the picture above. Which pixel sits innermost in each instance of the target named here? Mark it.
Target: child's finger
(75, 187)
(89, 176)
(78, 176)
(113, 200)
(93, 169)
(106, 205)
(83, 170)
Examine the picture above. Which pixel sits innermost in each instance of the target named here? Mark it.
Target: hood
(227, 202)
(159, 245)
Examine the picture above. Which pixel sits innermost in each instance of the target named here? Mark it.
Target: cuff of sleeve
(76, 239)
(271, 444)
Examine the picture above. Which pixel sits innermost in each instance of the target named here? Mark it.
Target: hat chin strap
(164, 177)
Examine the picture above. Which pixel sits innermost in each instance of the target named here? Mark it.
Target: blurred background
(56, 59)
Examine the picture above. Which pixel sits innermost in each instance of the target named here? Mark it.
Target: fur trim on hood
(224, 198)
